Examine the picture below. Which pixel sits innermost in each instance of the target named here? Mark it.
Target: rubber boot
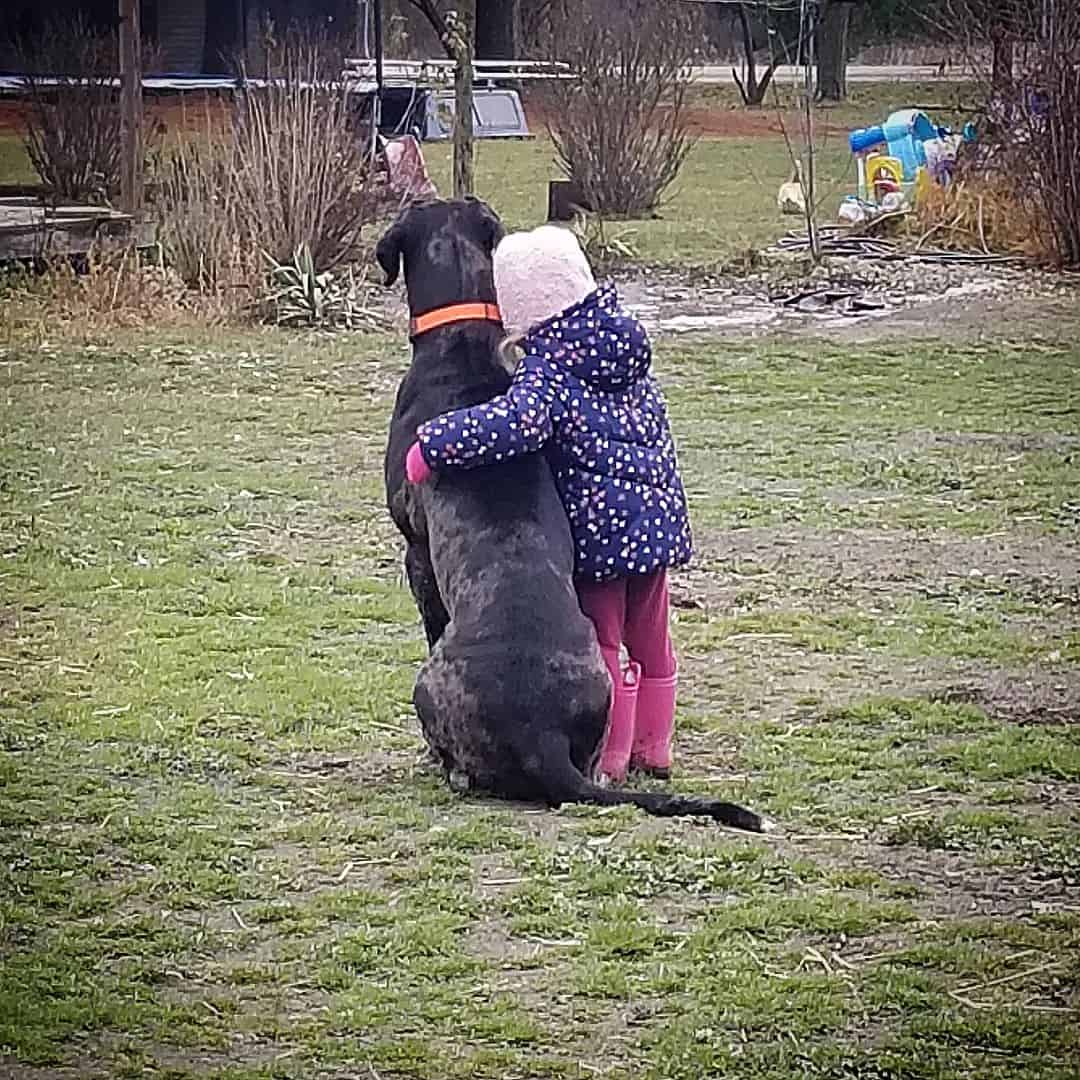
(619, 737)
(651, 749)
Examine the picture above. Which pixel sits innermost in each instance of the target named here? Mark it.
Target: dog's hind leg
(425, 590)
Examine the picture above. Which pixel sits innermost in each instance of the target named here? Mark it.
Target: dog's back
(519, 660)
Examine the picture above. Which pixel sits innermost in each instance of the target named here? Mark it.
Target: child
(584, 391)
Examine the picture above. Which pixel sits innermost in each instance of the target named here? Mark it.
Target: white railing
(441, 72)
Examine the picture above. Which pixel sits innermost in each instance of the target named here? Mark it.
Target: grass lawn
(15, 167)
(220, 856)
(724, 202)
(722, 205)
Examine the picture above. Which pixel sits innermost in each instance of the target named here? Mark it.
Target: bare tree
(461, 28)
(457, 32)
(620, 125)
(751, 88)
(1031, 129)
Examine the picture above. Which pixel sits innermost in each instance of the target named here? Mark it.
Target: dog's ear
(388, 251)
(490, 227)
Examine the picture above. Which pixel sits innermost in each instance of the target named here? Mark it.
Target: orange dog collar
(455, 313)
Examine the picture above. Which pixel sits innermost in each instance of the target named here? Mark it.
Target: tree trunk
(498, 29)
(462, 35)
(832, 46)
(753, 90)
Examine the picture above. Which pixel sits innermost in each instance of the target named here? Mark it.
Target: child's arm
(517, 422)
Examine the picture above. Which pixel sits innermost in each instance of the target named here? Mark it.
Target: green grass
(221, 857)
(15, 167)
(722, 205)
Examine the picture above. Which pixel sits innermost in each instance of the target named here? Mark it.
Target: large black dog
(513, 699)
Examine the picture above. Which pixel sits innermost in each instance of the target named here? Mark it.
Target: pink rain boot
(615, 755)
(651, 750)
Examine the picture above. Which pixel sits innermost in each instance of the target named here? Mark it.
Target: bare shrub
(1027, 60)
(290, 170)
(620, 124)
(73, 125)
(301, 158)
(198, 200)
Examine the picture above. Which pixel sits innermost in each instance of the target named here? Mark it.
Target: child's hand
(417, 469)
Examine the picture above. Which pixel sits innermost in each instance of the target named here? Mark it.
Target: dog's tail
(566, 783)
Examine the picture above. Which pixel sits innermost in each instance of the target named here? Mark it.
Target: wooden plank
(60, 243)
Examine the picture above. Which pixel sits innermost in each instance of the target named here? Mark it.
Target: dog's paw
(428, 758)
(458, 781)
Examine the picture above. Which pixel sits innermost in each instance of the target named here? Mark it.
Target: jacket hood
(596, 341)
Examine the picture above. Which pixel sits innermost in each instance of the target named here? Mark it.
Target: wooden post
(809, 184)
(131, 106)
(462, 32)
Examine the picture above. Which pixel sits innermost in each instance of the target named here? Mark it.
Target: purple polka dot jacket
(584, 393)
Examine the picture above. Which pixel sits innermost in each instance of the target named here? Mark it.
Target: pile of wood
(32, 227)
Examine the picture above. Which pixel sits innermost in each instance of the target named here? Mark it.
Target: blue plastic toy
(898, 148)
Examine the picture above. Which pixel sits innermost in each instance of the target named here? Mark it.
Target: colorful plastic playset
(899, 159)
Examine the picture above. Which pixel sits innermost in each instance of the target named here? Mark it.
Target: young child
(585, 393)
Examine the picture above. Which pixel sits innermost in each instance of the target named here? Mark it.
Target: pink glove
(417, 469)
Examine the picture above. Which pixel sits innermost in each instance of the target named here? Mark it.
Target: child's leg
(648, 639)
(647, 634)
(604, 603)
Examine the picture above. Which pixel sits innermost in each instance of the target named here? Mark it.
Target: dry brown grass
(989, 214)
(1031, 91)
(114, 291)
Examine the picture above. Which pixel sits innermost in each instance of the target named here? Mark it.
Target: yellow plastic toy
(889, 171)
(922, 184)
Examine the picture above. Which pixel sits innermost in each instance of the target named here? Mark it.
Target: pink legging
(632, 611)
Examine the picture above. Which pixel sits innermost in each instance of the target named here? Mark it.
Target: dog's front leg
(425, 590)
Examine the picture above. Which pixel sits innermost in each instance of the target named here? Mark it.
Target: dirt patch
(897, 299)
(953, 320)
(1031, 697)
(10, 1069)
(715, 122)
(1009, 442)
(954, 884)
(491, 940)
(769, 560)
(761, 677)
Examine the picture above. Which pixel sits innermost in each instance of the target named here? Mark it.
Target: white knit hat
(538, 275)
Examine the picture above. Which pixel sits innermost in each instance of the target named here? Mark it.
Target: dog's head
(445, 248)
